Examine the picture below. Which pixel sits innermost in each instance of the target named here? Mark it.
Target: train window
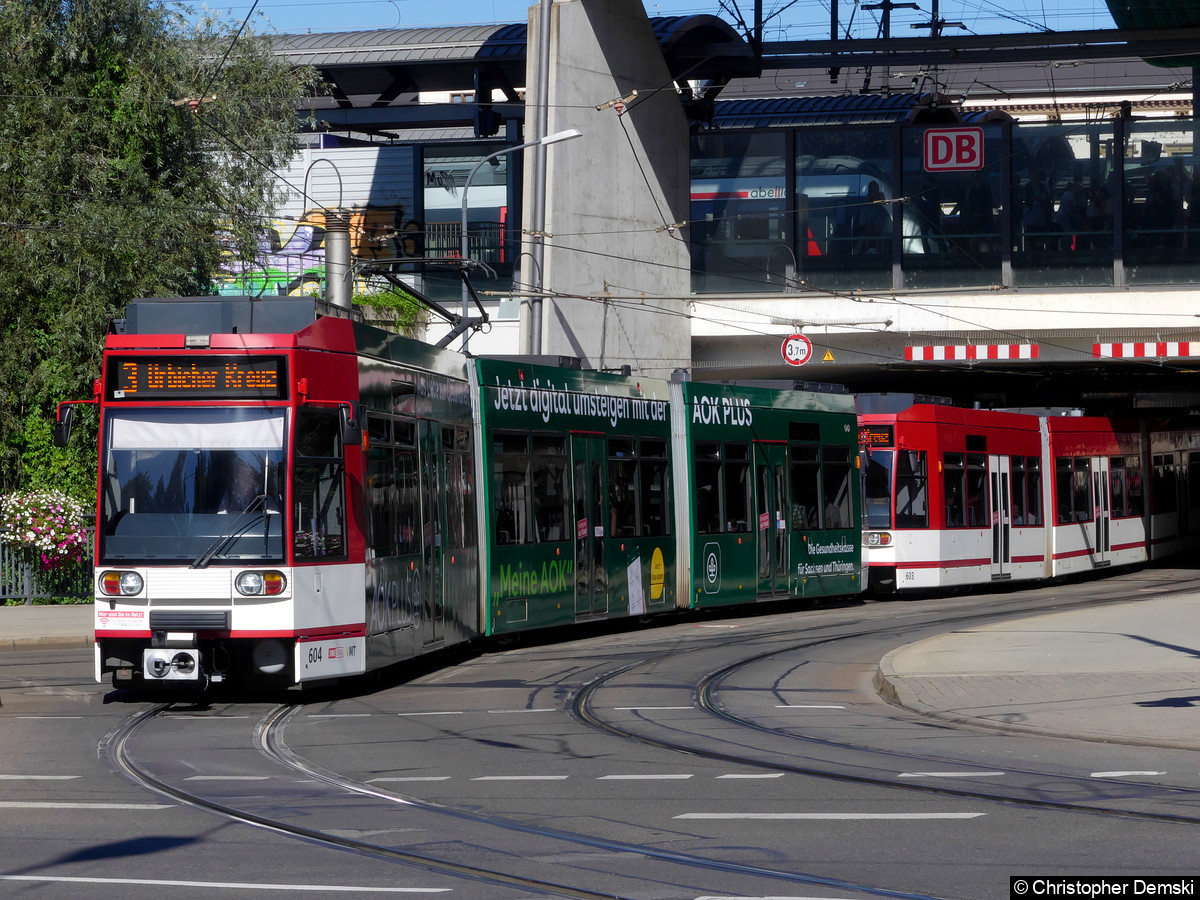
(1073, 490)
(810, 432)
(551, 498)
(1118, 489)
(877, 489)
(404, 432)
(1134, 485)
(1164, 484)
(739, 512)
(622, 488)
(806, 488)
(707, 455)
(976, 489)
(510, 488)
(319, 494)
(380, 490)
(835, 472)
(656, 489)
(954, 489)
(408, 487)
(1026, 490)
(379, 429)
(912, 490)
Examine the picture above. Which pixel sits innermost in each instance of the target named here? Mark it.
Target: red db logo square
(953, 149)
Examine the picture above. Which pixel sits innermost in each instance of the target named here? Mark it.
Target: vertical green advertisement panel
(578, 495)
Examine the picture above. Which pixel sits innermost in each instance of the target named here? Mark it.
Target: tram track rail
(269, 741)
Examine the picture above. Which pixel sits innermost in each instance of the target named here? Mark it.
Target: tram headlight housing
(878, 539)
(121, 584)
(260, 584)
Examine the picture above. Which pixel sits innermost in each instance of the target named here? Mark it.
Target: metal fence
(22, 579)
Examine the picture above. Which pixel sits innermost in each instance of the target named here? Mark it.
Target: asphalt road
(742, 756)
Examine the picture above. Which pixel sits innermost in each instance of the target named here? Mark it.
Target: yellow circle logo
(658, 571)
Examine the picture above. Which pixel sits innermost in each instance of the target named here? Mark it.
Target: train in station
(287, 496)
(956, 497)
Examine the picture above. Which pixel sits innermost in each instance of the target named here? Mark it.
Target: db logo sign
(796, 349)
(953, 149)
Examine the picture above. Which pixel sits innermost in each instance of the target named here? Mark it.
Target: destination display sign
(876, 435)
(196, 378)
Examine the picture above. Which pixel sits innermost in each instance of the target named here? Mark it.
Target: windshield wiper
(228, 534)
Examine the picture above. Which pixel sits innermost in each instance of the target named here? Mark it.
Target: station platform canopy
(375, 75)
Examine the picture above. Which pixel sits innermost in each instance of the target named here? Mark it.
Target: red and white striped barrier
(965, 352)
(1144, 349)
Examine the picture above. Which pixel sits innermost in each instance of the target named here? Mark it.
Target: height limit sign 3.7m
(796, 350)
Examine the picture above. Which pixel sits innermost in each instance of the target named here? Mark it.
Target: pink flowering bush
(46, 524)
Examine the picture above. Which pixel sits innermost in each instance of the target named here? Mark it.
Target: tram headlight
(121, 584)
(260, 584)
(878, 539)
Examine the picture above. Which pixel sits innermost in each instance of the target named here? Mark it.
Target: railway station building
(1022, 234)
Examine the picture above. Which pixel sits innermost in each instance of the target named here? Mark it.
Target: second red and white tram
(956, 497)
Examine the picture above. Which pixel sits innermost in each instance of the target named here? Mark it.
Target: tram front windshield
(192, 485)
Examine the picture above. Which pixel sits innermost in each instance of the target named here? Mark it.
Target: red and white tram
(956, 497)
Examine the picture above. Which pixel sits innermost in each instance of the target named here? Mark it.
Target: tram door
(770, 497)
(1102, 540)
(589, 498)
(1000, 477)
(433, 515)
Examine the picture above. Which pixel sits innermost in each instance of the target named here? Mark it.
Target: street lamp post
(568, 134)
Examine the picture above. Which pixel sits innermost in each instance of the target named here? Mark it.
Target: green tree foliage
(135, 149)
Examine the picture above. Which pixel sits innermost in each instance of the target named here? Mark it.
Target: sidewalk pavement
(1127, 673)
(46, 627)
(1124, 673)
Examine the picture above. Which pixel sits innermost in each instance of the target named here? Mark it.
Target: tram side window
(954, 489)
(408, 488)
(977, 490)
(551, 498)
(510, 488)
(1073, 490)
(1135, 486)
(707, 456)
(738, 496)
(1026, 490)
(319, 497)
(806, 487)
(1164, 486)
(1193, 480)
(912, 490)
(835, 472)
(382, 497)
(877, 487)
(622, 488)
(460, 477)
(656, 489)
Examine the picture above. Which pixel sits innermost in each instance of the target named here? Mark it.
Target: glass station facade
(959, 205)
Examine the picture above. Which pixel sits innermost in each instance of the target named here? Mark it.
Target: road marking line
(520, 778)
(49, 717)
(830, 816)
(411, 778)
(949, 774)
(808, 706)
(51, 804)
(640, 708)
(449, 712)
(640, 777)
(503, 711)
(772, 775)
(227, 778)
(227, 885)
(339, 715)
(37, 777)
(1123, 774)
